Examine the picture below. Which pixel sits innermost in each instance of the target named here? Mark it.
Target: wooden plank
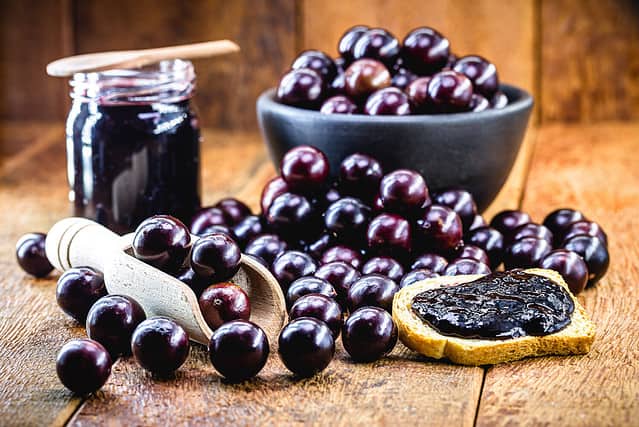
(33, 328)
(227, 87)
(32, 33)
(234, 164)
(501, 31)
(592, 168)
(590, 60)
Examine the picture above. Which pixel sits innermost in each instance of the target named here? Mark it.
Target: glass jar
(133, 145)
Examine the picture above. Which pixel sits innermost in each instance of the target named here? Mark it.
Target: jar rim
(165, 81)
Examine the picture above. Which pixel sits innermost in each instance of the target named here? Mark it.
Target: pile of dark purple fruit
(117, 325)
(375, 74)
(336, 248)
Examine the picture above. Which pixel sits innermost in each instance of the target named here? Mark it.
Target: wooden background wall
(580, 58)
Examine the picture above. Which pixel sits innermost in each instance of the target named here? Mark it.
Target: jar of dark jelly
(133, 144)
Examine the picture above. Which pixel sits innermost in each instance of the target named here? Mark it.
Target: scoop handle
(79, 242)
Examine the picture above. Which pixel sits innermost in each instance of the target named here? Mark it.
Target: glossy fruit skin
(499, 100)
(239, 350)
(223, 302)
(377, 44)
(344, 254)
(559, 220)
(389, 101)
(302, 88)
(275, 187)
(319, 307)
(83, 366)
(385, 266)
(449, 92)
(266, 248)
(526, 253)
(474, 252)
(402, 79)
(531, 230)
(326, 198)
(290, 215)
(111, 322)
(359, 176)
(317, 247)
(481, 72)
(205, 218)
(308, 285)
(506, 221)
(215, 257)
(348, 220)
(594, 253)
(339, 274)
(305, 169)
(440, 228)
(404, 191)
(430, 261)
(339, 104)
(425, 51)
(247, 229)
(218, 229)
(478, 103)
(364, 77)
(160, 345)
(338, 85)
(348, 40)
(490, 240)
(162, 241)
(589, 228)
(571, 266)
(78, 289)
(466, 266)
(389, 234)
(317, 61)
(32, 256)
(417, 92)
(478, 221)
(306, 346)
(233, 210)
(461, 201)
(415, 276)
(189, 277)
(372, 290)
(368, 334)
(291, 265)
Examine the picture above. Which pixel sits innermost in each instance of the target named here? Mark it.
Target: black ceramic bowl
(474, 151)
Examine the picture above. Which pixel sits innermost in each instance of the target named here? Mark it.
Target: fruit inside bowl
(412, 105)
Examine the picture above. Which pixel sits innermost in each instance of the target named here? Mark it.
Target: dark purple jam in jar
(133, 145)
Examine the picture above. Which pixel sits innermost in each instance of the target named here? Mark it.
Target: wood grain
(228, 86)
(32, 33)
(589, 60)
(592, 168)
(470, 26)
(33, 328)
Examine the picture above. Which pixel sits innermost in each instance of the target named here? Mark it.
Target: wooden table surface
(593, 168)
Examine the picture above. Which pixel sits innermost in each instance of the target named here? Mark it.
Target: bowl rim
(522, 100)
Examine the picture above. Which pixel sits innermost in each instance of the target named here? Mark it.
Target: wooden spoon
(137, 58)
(77, 242)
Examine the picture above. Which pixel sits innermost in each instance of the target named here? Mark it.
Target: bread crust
(576, 338)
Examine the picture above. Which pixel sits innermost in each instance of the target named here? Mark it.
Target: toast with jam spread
(484, 320)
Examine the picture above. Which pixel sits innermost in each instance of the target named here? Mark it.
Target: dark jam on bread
(501, 305)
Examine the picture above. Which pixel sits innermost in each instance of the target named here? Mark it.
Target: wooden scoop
(137, 58)
(79, 242)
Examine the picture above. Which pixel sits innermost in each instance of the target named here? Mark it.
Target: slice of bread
(576, 338)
